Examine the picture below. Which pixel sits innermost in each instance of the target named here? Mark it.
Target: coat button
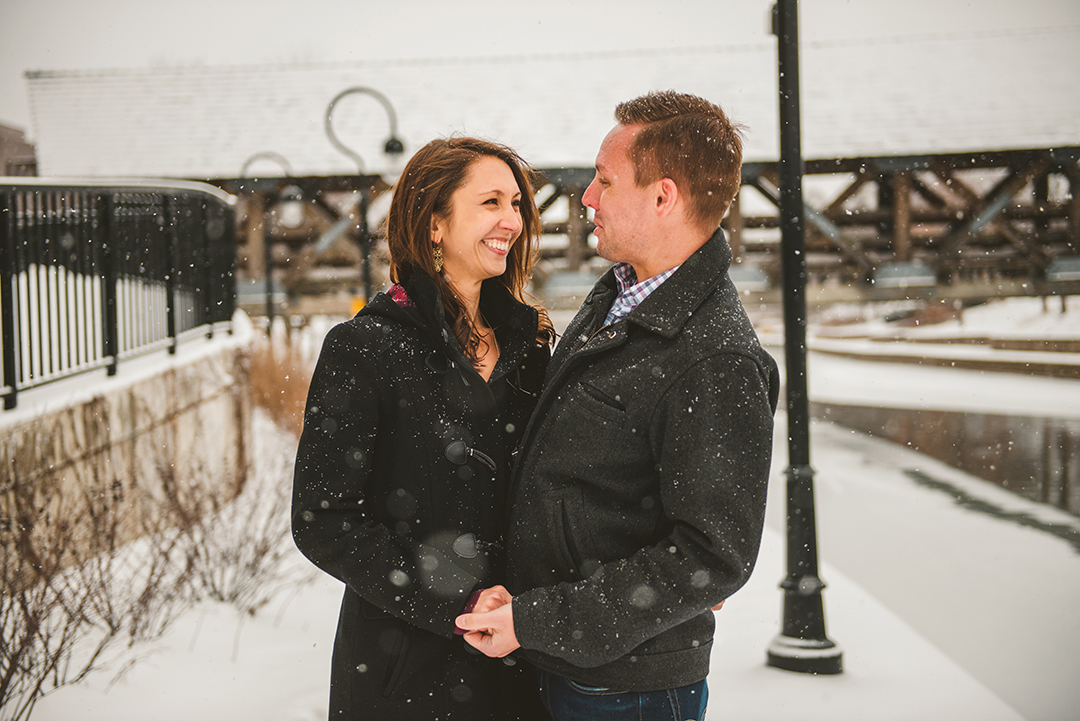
(465, 545)
(456, 452)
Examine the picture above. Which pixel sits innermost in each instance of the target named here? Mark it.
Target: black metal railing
(94, 273)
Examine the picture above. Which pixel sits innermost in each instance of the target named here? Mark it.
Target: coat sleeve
(711, 436)
(332, 516)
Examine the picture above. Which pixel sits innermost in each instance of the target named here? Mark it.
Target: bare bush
(42, 615)
(88, 572)
(70, 589)
(240, 551)
(280, 377)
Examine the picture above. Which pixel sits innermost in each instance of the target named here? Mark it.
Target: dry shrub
(77, 581)
(87, 571)
(280, 377)
(71, 589)
(239, 550)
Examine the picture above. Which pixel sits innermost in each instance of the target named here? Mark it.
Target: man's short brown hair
(692, 142)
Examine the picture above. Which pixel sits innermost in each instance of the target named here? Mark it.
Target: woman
(414, 409)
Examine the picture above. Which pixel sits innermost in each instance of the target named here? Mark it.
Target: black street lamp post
(393, 146)
(802, 645)
(268, 256)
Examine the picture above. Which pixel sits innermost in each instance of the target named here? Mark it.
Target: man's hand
(491, 632)
(718, 606)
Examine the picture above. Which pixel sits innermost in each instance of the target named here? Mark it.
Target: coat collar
(668, 307)
(516, 323)
(664, 312)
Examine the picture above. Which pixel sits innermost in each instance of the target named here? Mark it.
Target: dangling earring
(437, 256)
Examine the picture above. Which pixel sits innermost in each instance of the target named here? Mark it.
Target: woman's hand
(492, 598)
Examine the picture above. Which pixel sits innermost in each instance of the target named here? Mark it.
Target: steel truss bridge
(959, 226)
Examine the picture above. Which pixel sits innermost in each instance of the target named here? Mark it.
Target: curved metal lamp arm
(267, 155)
(393, 144)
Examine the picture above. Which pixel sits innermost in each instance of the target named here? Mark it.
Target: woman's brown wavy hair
(423, 192)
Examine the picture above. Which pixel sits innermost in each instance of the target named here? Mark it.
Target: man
(639, 496)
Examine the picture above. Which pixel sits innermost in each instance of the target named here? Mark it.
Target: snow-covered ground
(850, 381)
(952, 599)
(942, 612)
(988, 578)
(1025, 318)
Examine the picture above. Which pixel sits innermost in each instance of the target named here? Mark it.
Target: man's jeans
(568, 700)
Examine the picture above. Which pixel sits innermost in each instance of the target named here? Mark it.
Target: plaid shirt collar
(632, 293)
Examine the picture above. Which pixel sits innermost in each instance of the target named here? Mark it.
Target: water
(1037, 458)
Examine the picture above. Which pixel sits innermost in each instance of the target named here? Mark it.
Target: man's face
(621, 207)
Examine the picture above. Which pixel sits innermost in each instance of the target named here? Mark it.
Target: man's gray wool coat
(639, 497)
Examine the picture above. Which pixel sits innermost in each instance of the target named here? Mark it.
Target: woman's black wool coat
(399, 492)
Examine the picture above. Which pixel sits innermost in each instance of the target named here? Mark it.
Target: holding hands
(490, 626)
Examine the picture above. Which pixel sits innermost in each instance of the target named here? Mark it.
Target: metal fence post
(7, 299)
(110, 330)
(218, 238)
(170, 211)
(209, 286)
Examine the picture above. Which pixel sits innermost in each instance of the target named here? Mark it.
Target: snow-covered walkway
(952, 598)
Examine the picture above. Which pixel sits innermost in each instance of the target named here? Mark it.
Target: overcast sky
(98, 34)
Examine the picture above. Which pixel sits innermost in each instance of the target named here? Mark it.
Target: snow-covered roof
(904, 95)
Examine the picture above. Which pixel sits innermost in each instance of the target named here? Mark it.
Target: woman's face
(484, 222)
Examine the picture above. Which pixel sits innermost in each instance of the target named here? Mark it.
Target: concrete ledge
(173, 428)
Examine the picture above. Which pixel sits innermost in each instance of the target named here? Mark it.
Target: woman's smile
(500, 246)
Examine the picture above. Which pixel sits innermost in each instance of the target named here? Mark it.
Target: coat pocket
(596, 402)
(567, 523)
(401, 635)
(392, 638)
